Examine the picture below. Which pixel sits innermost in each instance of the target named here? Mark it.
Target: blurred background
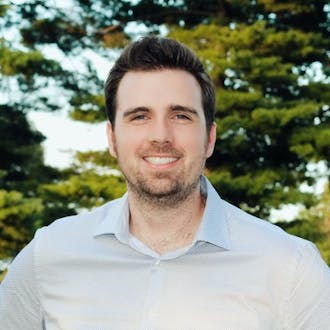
(269, 61)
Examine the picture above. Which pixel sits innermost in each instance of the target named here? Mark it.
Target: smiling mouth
(161, 160)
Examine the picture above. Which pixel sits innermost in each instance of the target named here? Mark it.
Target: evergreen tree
(268, 59)
(91, 181)
(272, 110)
(19, 217)
(22, 167)
(314, 224)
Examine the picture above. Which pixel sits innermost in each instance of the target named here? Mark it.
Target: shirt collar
(213, 228)
(115, 220)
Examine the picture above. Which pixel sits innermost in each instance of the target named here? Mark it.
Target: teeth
(160, 160)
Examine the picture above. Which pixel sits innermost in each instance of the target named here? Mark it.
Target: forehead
(157, 88)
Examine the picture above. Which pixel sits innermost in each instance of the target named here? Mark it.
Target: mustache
(158, 148)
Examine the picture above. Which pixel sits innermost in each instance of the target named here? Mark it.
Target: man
(169, 254)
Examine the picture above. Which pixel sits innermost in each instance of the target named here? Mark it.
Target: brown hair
(156, 53)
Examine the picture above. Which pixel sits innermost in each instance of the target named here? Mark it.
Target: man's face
(159, 136)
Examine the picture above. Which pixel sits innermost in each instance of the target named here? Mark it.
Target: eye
(139, 117)
(182, 116)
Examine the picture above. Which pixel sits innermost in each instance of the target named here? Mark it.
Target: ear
(111, 140)
(211, 140)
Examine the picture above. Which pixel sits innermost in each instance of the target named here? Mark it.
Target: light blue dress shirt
(87, 272)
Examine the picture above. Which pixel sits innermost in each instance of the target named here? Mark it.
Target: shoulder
(295, 262)
(293, 266)
(69, 241)
(71, 235)
(250, 233)
(79, 223)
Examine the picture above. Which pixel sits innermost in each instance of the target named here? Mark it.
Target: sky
(65, 136)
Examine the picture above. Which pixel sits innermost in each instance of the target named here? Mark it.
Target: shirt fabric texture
(87, 272)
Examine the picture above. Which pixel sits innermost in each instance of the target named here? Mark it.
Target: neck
(165, 229)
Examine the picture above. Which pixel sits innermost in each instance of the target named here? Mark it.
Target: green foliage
(2, 275)
(311, 143)
(58, 29)
(88, 107)
(269, 124)
(28, 64)
(95, 159)
(90, 182)
(93, 23)
(21, 172)
(17, 219)
(3, 8)
(314, 224)
(21, 153)
(85, 190)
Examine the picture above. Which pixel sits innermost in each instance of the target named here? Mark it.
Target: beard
(164, 189)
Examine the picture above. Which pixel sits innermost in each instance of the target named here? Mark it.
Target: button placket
(153, 296)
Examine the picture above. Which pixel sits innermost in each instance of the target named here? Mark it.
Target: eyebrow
(183, 108)
(132, 111)
(172, 108)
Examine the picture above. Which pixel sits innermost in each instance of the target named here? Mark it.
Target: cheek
(196, 145)
(127, 144)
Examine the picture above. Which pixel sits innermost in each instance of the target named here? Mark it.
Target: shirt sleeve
(308, 303)
(20, 306)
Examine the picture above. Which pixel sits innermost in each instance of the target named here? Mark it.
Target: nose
(161, 131)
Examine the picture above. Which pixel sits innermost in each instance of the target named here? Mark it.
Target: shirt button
(157, 262)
